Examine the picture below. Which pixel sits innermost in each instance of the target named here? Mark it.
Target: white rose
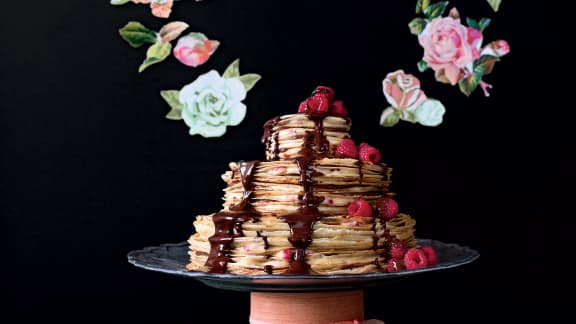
(211, 103)
(430, 112)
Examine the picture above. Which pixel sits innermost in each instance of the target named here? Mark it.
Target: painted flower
(408, 102)
(450, 48)
(430, 113)
(403, 90)
(496, 48)
(141, 1)
(161, 8)
(171, 31)
(211, 103)
(194, 49)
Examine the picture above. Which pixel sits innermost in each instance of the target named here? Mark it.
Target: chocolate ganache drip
(302, 222)
(228, 224)
(267, 136)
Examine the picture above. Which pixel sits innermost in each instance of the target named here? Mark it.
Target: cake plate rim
(171, 258)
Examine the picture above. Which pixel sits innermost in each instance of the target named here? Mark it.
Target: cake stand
(299, 299)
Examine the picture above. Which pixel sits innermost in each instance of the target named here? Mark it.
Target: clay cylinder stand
(306, 308)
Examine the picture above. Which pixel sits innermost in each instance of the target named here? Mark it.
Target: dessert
(317, 204)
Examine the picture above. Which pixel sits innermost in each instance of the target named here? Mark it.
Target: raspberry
(387, 208)
(369, 153)
(395, 265)
(338, 109)
(431, 255)
(279, 170)
(325, 92)
(285, 254)
(415, 259)
(302, 107)
(398, 249)
(347, 148)
(360, 207)
(317, 105)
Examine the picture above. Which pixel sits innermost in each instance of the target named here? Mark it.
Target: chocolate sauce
(268, 269)
(238, 229)
(228, 224)
(265, 239)
(246, 172)
(320, 141)
(268, 140)
(221, 241)
(302, 222)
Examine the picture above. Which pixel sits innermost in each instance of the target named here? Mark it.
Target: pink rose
(161, 8)
(403, 90)
(497, 48)
(194, 49)
(450, 48)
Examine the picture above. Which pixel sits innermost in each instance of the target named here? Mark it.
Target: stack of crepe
(340, 244)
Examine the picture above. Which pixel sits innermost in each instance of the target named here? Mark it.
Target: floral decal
(137, 35)
(195, 49)
(495, 4)
(408, 102)
(159, 8)
(212, 102)
(454, 51)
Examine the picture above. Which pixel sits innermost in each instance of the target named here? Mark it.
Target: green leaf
(417, 25)
(233, 70)
(485, 64)
(435, 10)
(249, 80)
(484, 22)
(495, 4)
(422, 66)
(119, 2)
(408, 115)
(421, 5)
(155, 54)
(473, 23)
(137, 35)
(390, 117)
(172, 98)
(469, 84)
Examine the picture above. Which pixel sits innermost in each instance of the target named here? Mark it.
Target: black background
(90, 168)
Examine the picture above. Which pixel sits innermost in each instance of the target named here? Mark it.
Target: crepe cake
(318, 204)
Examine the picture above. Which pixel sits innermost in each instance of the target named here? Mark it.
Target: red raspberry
(369, 153)
(338, 109)
(398, 249)
(285, 254)
(431, 255)
(347, 148)
(360, 207)
(415, 259)
(387, 208)
(395, 265)
(302, 107)
(324, 91)
(318, 105)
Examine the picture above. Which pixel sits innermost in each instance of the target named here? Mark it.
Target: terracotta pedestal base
(306, 308)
